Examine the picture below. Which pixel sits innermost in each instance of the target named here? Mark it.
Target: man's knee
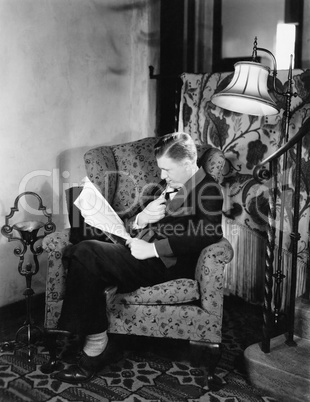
(79, 251)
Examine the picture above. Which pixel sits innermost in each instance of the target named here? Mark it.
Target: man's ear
(188, 164)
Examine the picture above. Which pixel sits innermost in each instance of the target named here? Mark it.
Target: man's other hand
(141, 249)
(153, 212)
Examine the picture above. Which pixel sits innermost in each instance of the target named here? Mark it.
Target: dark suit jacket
(192, 222)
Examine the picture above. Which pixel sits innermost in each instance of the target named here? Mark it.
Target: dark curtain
(186, 46)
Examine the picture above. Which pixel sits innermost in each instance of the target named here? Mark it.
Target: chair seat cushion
(171, 292)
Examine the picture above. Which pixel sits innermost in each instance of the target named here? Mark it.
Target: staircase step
(284, 372)
(302, 318)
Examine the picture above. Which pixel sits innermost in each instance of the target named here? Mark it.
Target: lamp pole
(247, 93)
(278, 275)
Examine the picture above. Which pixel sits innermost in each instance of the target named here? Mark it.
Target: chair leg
(214, 355)
(215, 350)
(50, 342)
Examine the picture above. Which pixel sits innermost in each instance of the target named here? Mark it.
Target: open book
(98, 213)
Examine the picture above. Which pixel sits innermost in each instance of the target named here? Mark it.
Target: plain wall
(242, 20)
(306, 36)
(73, 75)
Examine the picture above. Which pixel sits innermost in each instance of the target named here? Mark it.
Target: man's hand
(153, 212)
(141, 249)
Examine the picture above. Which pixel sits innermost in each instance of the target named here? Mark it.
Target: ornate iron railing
(273, 280)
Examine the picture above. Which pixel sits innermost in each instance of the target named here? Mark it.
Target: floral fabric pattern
(162, 310)
(136, 167)
(54, 245)
(172, 292)
(246, 141)
(198, 323)
(101, 170)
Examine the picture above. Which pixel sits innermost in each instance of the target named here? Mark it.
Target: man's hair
(177, 146)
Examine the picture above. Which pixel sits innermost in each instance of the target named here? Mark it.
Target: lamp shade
(247, 92)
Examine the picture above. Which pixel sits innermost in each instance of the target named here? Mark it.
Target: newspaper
(98, 213)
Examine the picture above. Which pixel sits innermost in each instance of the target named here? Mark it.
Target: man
(167, 237)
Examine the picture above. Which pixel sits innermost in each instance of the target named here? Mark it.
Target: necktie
(168, 193)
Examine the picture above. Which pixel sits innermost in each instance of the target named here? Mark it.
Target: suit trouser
(93, 266)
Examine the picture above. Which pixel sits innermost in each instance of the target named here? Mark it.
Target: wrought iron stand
(28, 236)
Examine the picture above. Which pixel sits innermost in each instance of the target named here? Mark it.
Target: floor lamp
(248, 93)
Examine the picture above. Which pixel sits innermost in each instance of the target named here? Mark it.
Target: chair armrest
(176, 291)
(213, 162)
(54, 244)
(210, 274)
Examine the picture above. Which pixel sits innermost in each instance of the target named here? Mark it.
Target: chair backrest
(123, 172)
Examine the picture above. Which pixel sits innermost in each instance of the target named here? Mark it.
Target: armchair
(180, 309)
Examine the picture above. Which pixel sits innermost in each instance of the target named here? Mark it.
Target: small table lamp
(28, 236)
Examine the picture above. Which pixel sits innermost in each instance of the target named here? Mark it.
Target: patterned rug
(149, 370)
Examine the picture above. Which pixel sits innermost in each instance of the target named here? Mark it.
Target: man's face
(176, 173)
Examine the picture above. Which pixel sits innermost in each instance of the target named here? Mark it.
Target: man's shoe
(87, 366)
(75, 375)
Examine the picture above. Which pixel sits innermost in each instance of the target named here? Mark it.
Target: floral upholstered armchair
(181, 309)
